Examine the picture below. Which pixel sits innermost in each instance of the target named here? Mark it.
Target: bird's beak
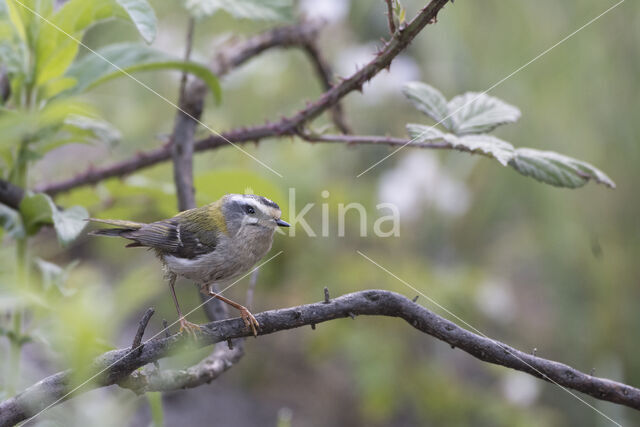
(282, 223)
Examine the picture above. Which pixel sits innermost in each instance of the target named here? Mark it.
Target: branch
(323, 70)
(392, 25)
(10, 194)
(191, 104)
(121, 363)
(374, 140)
(207, 370)
(288, 126)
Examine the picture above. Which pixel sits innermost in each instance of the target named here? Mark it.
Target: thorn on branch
(535, 350)
(415, 298)
(313, 326)
(144, 321)
(326, 295)
(230, 344)
(352, 315)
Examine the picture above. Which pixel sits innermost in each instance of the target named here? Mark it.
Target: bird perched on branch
(216, 243)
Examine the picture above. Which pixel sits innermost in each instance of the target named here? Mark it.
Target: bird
(215, 243)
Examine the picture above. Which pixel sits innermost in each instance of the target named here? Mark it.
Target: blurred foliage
(528, 264)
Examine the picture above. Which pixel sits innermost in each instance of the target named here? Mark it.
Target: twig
(392, 25)
(369, 302)
(323, 70)
(237, 53)
(207, 370)
(286, 127)
(165, 328)
(144, 321)
(191, 106)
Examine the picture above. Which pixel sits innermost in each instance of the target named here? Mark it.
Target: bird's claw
(250, 321)
(189, 328)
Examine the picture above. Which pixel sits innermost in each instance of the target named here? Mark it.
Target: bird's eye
(249, 210)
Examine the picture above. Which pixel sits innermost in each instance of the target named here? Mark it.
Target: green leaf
(429, 100)
(32, 126)
(275, 10)
(545, 166)
(479, 113)
(557, 169)
(91, 129)
(69, 223)
(465, 114)
(143, 17)
(11, 56)
(20, 16)
(483, 144)
(38, 209)
(11, 222)
(54, 275)
(91, 70)
(57, 44)
(54, 87)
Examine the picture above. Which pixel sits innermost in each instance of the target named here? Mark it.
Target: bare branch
(372, 140)
(239, 52)
(144, 321)
(119, 364)
(392, 25)
(207, 370)
(286, 127)
(191, 105)
(326, 76)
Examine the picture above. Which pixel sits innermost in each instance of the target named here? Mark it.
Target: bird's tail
(122, 227)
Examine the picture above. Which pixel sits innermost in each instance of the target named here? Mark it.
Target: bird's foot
(249, 321)
(189, 328)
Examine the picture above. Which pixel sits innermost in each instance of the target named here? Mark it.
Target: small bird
(216, 243)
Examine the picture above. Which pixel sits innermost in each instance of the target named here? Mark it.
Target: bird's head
(242, 210)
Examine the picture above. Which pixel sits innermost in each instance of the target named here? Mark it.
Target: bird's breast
(231, 258)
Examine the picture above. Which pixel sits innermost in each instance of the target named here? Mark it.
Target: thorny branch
(121, 363)
(287, 126)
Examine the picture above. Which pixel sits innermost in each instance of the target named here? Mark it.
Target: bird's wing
(175, 237)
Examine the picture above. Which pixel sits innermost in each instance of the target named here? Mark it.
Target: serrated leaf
(91, 70)
(479, 113)
(143, 17)
(557, 169)
(483, 144)
(429, 100)
(468, 113)
(274, 10)
(11, 222)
